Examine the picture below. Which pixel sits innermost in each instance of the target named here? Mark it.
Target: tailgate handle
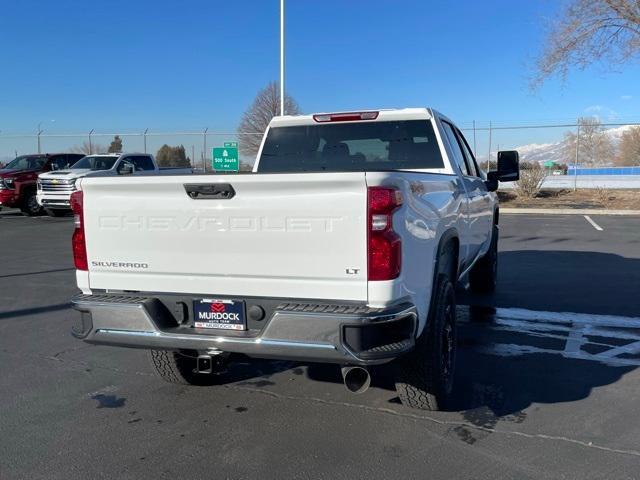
(210, 191)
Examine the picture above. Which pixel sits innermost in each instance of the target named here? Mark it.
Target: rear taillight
(78, 241)
(344, 116)
(385, 246)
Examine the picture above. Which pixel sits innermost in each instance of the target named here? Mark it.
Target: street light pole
(281, 57)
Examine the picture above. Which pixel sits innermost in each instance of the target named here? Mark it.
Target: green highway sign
(225, 159)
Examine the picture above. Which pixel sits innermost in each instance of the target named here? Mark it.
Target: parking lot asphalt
(547, 380)
(563, 264)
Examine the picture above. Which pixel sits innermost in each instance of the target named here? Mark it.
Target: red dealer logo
(218, 307)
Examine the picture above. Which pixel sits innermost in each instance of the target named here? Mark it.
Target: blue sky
(130, 65)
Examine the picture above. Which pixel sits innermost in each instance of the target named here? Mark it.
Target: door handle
(210, 191)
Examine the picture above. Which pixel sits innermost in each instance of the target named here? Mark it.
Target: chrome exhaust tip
(356, 379)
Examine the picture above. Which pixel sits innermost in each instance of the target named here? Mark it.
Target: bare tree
(531, 179)
(588, 32)
(595, 147)
(257, 117)
(603, 195)
(87, 148)
(629, 148)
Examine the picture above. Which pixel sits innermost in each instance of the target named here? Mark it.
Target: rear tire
(55, 212)
(30, 205)
(179, 366)
(424, 379)
(483, 277)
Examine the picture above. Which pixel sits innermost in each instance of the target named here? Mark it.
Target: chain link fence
(197, 145)
(598, 143)
(559, 147)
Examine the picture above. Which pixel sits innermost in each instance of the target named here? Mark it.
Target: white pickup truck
(54, 188)
(343, 246)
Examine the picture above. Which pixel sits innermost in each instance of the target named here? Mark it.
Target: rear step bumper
(307, 332)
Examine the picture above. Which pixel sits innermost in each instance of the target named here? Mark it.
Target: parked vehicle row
(55, 187)
(45, 182)
(344, 247)
(18, 179)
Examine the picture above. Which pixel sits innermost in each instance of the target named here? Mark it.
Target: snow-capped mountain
(543, 152)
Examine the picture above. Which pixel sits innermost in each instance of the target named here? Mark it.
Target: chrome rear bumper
(354, 336)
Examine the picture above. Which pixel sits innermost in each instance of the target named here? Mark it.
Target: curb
(568, 211)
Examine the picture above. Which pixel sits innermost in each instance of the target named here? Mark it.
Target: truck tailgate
(280, 235)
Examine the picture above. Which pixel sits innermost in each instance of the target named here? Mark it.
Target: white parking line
(594, 224)
(607, 339)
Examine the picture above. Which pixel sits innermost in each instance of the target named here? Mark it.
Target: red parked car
(18, 179)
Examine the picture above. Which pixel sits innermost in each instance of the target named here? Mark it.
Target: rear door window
(351, 147)
(458, 156)
(466, 151)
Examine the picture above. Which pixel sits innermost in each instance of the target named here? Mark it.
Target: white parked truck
(54, 188)
(343, 246)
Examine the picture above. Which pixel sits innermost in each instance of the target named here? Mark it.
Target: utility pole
(475, 152)
(204, 155)
(90, 145)
(281, 57)
(39, 132)
(144, 136)
(575, 165)
(489, 157)
(193, 154)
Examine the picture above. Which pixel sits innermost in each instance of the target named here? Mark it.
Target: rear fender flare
(445, 262)
(446, 259)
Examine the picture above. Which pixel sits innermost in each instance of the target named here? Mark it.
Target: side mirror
(508, 166)
(125, 168)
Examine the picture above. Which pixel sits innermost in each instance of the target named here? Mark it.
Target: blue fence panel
(604, 171)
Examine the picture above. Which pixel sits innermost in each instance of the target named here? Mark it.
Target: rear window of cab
(351, 147)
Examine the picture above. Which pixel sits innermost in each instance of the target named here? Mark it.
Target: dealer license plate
(219, 314)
